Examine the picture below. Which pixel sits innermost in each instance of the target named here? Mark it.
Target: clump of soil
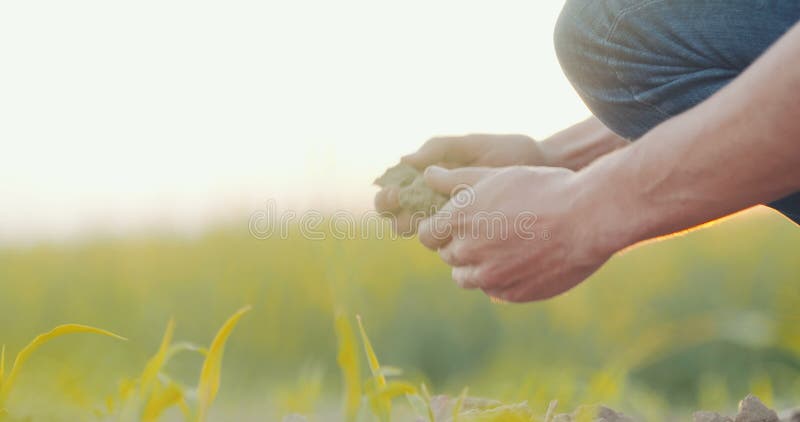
(472, 409)
(413, 194)
(751, 409)
(594, 414)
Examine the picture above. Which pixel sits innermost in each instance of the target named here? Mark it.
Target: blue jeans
(637, 63)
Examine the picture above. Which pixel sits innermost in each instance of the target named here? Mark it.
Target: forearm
(579, 145)
(738, 149)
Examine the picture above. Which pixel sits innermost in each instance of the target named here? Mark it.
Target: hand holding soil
(404, 190)
(414, 196)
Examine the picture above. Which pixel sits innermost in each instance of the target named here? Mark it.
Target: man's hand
(461, 151)
(518, 233)
(477, 150)
(572, 148)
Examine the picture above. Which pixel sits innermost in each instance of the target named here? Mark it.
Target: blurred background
(138, 140)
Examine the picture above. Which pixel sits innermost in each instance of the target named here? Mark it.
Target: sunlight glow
(123, 115)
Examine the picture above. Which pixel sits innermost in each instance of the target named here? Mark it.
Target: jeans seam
(611, 31)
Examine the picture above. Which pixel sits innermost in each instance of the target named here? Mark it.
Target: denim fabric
(637, 63)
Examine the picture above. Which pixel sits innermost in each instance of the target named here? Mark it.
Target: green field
(694, 321)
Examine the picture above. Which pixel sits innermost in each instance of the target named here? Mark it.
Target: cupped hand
(519, 233)
(460, 151)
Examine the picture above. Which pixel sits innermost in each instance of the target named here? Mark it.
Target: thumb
(455, 149)
(448, 181)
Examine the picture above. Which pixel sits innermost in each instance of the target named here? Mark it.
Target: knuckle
(459, 276)
(485, 277)
(425, 240)
(428, 240)
(456, 251)
(447, 256)
(434, 142)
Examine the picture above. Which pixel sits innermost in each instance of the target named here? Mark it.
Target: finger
(525, 291)
(466, 277)
(438, 149)
(447, 165)
(386, 200)
(448, 181)
(498, 295)
(435, 232)
(454, 254)
(495, 292)
(404, 223)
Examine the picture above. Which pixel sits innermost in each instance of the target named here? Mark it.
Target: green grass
(695, 321)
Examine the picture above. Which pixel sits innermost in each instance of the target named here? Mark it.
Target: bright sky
(118, 116)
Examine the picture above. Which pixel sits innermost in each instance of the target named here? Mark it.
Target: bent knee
(627, 73)
(581, 45)
(579, 36)
(565, 36)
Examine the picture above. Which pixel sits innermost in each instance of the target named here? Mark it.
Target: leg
(637, 63)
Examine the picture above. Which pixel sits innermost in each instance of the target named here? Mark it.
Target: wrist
(576, 147)
(616, 214)
(552, 153)
(641, 193)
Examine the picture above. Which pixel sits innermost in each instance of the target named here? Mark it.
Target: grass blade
(212, 366)
(161, 399)
(41, 339)
(2, 364)
(381, 406)
(372, 358)
(396, 389)
(149, 376)
(347, 359)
